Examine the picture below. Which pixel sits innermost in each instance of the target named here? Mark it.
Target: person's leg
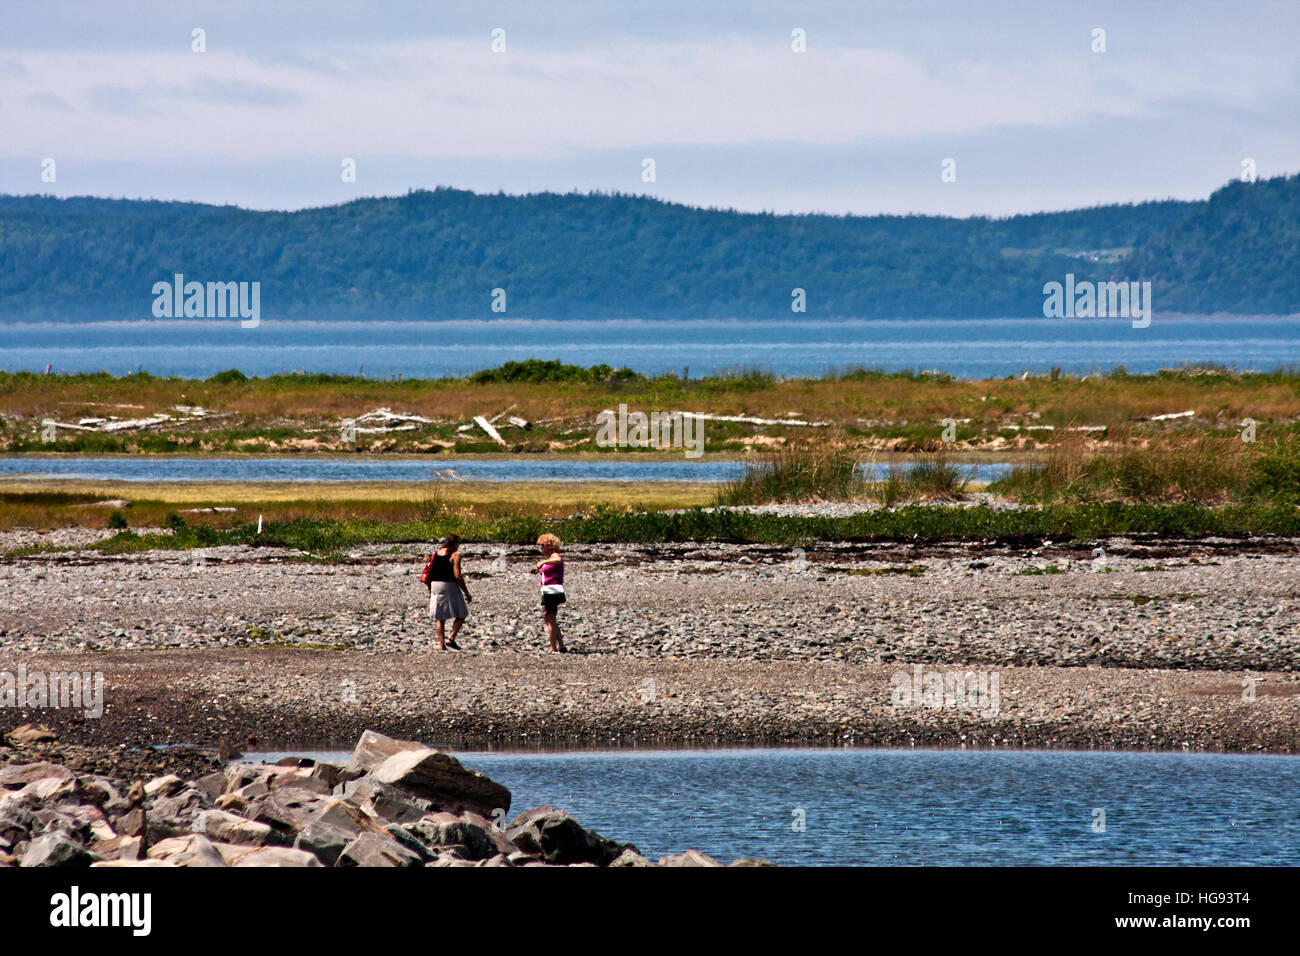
(553, 636)
(548, 618)
(455, 628)
(442, 639)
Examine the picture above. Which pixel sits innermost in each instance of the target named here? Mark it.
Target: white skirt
(446, 602)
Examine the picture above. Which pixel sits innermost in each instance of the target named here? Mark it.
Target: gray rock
(751, 861)
(276, 856)
(192, 850)
(287, 812)
(689, 858)
(450, 833)
(17, 822)
(409, 840)
(230, 828)
(330, 773)
(102, 793)
(18, 776)
(393, 804)
(212, 786)
(371, 849)
(631, 858)
(164, 786)
(325, 841)
(441, 779)
(56, 849)
(373, 749)
(558, 838)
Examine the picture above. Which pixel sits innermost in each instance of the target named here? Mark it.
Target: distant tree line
(440, 254)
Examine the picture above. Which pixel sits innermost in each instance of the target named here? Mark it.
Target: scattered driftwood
(747, 419)
(387, 415)
(487, 426)
(1052, 428)
(1165, 418)
(189, 413)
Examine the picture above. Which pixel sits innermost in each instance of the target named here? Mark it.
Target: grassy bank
(326, 538)
(870, 409)
(90, 504)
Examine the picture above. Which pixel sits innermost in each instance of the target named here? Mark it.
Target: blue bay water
(969, 348)
(921, 808)
(123, 468)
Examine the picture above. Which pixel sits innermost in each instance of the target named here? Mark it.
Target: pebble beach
(1138, 645)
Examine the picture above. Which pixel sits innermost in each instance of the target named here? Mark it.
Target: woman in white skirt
(448, 595)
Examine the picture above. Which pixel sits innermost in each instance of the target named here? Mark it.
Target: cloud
(50, 103)
(459, 100)
(11, 66)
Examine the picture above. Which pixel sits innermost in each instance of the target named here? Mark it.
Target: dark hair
(452, 541)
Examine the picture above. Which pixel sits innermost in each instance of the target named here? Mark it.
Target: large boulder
(448, 833)
(558, 838)
(372, 750)
(427, 773)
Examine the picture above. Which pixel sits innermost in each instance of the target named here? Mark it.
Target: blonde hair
(549, 541)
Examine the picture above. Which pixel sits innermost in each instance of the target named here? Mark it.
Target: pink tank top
(553, 573)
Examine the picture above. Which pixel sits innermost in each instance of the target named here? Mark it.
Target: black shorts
(551, 602)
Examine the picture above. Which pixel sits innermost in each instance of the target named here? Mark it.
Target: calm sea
(921, 808)
(801, 347)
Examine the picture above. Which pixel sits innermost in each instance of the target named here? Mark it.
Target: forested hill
(440, 254)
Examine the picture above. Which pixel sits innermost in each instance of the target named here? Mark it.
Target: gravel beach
(1146, 644)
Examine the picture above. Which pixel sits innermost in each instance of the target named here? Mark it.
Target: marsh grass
(810, 472)
(1205, 469)
(796, 473)
(327, 539)
(935, 478)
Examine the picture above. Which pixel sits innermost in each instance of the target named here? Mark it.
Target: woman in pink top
(551, 570)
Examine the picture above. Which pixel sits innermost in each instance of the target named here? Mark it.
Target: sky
(862, 120)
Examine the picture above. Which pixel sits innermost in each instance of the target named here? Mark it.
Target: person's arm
(455, 567)
(551, 558)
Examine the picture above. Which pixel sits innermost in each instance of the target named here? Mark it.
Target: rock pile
(395, 803)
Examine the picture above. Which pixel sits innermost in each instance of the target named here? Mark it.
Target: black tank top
(441, 570)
